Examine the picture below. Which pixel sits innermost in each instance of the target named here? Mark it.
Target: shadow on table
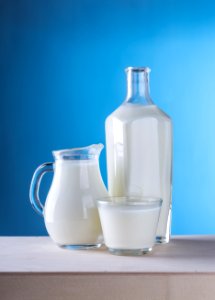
(187, 247)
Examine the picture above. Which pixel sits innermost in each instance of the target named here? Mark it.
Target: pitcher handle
(35, 186)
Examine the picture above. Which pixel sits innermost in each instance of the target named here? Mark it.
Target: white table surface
(182, 269)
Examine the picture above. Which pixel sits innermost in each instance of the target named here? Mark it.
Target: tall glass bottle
(139, 148)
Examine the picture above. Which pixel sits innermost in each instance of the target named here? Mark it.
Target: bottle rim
(138, 69)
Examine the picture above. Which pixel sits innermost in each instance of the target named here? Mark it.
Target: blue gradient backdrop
(62, 73)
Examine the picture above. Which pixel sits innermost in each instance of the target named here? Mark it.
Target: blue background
(62, 73)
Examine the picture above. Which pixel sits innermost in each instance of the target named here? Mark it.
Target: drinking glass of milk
(70, 211)
(129, 224)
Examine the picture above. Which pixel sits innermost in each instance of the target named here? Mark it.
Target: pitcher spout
(97, 148)
(93, 151)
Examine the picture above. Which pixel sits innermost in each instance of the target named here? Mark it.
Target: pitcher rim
(78, 153)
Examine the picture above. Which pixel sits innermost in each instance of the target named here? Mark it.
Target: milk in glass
(129, 225)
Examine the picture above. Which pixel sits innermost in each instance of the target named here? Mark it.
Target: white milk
(139, 155)
(71, 214)
(129, 227)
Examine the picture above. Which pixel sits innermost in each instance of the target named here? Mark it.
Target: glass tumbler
(129, 224)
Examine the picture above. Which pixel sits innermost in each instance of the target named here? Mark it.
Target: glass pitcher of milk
(70, 211)
(139, 148)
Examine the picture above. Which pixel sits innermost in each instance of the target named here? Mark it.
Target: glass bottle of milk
(139, 148)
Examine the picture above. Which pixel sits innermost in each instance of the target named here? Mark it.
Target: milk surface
(129, 227)
(71, 214)
(139, 156)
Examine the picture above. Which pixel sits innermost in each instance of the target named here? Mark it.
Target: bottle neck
(138, 86)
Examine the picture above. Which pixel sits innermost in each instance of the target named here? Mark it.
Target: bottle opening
(138, 69)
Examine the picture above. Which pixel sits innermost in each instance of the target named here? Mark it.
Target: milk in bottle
(139, 149)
